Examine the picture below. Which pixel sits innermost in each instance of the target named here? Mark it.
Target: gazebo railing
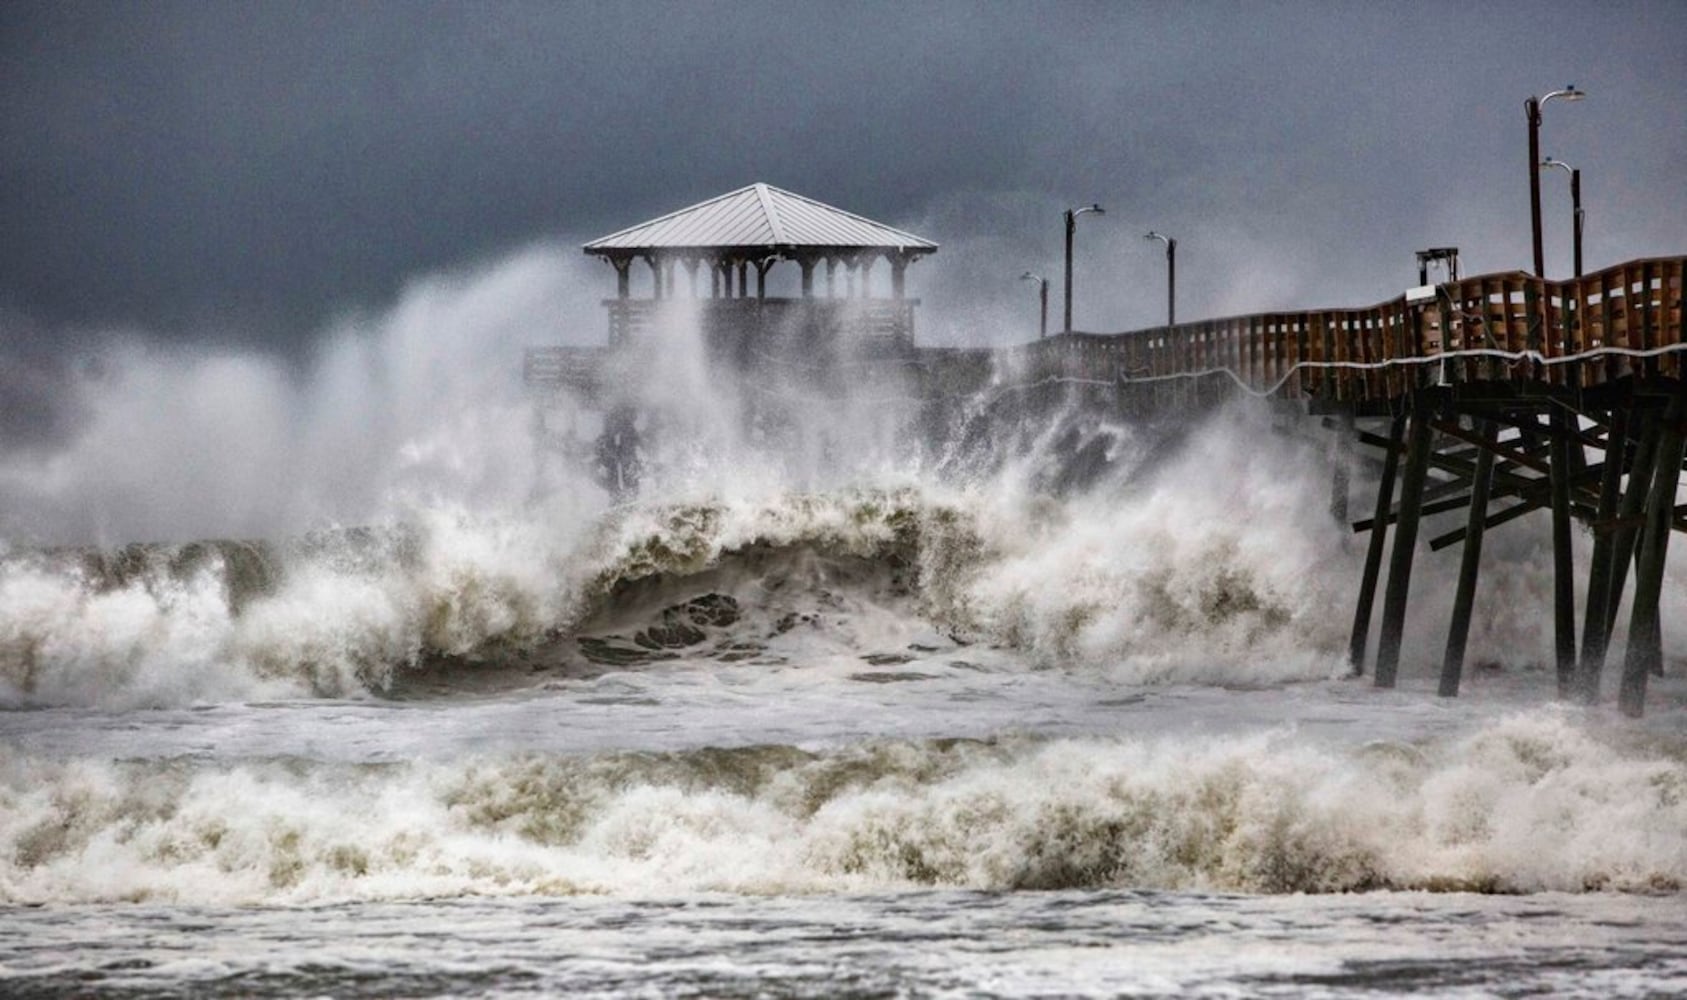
(879, 322)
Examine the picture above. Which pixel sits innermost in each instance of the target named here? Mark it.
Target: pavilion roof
(762, 217)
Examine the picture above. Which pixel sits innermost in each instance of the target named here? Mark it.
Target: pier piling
(1596, 623)
(1458, 633)
(1645, 652)
(1373, 552)
(1405, 540)
(1563, 560)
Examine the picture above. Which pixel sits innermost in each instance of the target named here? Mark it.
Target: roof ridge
(687, 210)
(844, 211)
(772, 212)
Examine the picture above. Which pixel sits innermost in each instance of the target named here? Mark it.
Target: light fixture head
(1568, 93)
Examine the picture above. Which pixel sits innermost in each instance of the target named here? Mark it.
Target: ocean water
(840, 706)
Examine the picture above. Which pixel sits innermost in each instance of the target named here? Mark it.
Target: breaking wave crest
(1535, 802)
(1101, 579)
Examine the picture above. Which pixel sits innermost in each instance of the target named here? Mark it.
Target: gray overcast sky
(244, 171)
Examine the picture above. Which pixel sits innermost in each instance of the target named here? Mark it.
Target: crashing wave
(1092, 580)
(1531, 803)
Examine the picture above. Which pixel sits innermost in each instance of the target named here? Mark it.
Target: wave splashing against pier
(401, 657)
(1147, 575)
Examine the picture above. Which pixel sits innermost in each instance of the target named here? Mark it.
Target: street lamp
(1171, 274)
(1575, 201)
(1071, 227)
(1532, 109)
(1043, 293)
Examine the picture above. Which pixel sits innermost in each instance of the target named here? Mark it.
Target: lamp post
(1575, 202)
(1171, 274)
(1043, 294)
(1071, 227)
(1532, 109)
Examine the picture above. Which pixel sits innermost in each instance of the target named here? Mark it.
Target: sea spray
(1111, 580)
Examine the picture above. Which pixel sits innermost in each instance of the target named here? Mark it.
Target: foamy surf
(1531, 803)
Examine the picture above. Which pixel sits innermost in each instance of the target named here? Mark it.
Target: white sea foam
(1184, 578)
(1530, 803)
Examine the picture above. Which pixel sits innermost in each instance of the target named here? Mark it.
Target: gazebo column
(668, 277)
(743, 279)
(762, 267)
(899, 276)
(807, 265)
(714, 279)
(866, 289)
(655, 275)
(623, 279)
(850, 267)
(831, 277)
(691, 274)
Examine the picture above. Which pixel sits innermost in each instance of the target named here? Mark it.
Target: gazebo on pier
(755, 228)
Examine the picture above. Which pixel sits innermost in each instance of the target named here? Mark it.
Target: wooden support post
(1596, 632)
(1645, 652)
(1341, 468)
(1373, 554)
(1452, 664)
(1563, 559)
(1405, 541)
(807, 265)
(1629, 511)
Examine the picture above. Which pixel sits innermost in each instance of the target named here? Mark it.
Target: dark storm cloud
(242, 171)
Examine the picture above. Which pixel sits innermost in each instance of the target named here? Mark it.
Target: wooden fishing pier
(1497, 395)
(1502, 394)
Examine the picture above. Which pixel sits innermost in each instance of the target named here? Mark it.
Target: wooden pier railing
(1623, 320)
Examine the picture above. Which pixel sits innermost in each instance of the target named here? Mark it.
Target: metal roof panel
(759, 215)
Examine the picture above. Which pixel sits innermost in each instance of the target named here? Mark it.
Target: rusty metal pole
(1171, 282)
(1072, 227)
(1532, 108)
(1576, 202)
